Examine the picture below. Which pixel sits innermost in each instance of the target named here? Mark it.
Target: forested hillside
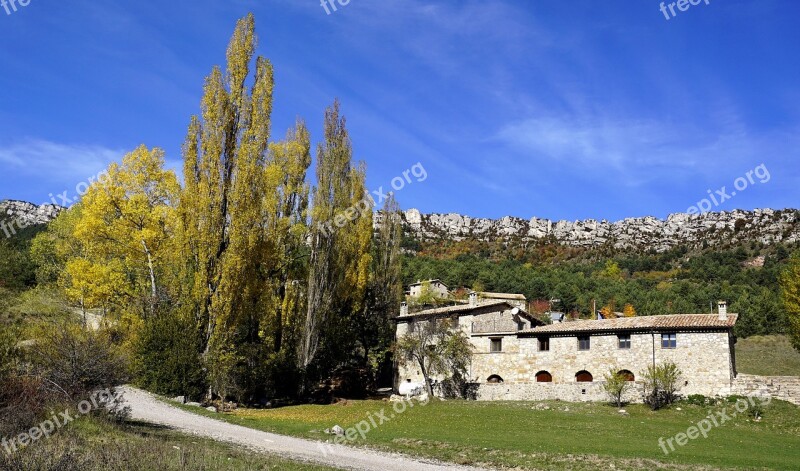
(675, 281)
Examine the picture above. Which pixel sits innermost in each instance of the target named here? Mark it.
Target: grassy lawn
(770, 355)
(567, 436)
(95, 445)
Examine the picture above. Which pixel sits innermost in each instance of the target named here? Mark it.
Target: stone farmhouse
(438, 288)
(517, 357)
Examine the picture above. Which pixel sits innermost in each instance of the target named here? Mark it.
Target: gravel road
(145, 407)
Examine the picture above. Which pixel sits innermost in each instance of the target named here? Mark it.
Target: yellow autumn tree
(285, 208)
(125, 225)
(608, 311)
(243, 221)
(790, 292)
(220, 210)
(341, 233)
(629, 311)
(92, 285)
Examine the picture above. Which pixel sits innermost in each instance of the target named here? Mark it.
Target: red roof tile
(664, 322)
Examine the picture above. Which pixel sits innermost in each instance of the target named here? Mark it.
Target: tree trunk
(153, 294)
(428, 386)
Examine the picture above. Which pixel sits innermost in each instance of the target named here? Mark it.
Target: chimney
(722, 308)
(403, 309)
(473, 299)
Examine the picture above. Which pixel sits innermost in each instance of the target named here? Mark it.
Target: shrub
(755, 410)
(74, 362)
(167, 358)
(615, 386)
(8, 352)
(661, 383)
(700, 400)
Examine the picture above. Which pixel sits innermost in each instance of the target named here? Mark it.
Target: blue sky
(548, 108)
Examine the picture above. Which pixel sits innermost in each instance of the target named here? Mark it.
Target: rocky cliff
(763, 225)
(28, 214)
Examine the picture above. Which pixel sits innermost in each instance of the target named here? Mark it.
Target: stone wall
(571, 392)
(785, 388)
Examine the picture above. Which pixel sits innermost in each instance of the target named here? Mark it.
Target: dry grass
(770, 355)
(93, 444)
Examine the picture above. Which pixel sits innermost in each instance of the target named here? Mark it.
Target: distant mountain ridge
(767, 226)
(29, 214)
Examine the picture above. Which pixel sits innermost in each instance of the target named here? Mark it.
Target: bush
(700, 400)
(755, 409)
(74, 362)
(167, 357)
(8, 352)
(23, 401)
(615, 386)
(661, 383)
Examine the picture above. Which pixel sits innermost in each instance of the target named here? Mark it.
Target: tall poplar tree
(341, 218)
(375, 331)
(221, 205)
(286, 209)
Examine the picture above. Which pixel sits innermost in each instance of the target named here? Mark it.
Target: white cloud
(641, 151)
(51, 160)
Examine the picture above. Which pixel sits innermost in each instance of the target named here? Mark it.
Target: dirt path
(145, 407)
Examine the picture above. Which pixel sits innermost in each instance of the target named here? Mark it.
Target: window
(583, 342)
(669, 340)
(544, 377)
(583, 376)
(624, 340)
(494, 379)
(627, 374)
(496, 345)
(544, 344)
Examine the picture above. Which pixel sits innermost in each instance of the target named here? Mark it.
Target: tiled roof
(457, 309)
(437, 280)
(520, 297)
(665, 322)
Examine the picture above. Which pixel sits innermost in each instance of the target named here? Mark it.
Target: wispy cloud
(639, 151)
(47, 159)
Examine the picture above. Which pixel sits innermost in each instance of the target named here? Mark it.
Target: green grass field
(567, 436)
(770, 355)
(91, 444)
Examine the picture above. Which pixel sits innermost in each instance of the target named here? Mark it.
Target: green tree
(167, 359)
(661, 384)
(437, 348)
(615, 386)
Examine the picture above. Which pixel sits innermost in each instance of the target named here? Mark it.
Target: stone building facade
(517, 358)
(437, 287)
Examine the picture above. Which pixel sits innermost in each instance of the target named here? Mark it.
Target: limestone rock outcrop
(763, 225)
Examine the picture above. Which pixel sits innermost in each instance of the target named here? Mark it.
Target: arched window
(495, 379)
(583, 376)
(627, 374)
(544, 377)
